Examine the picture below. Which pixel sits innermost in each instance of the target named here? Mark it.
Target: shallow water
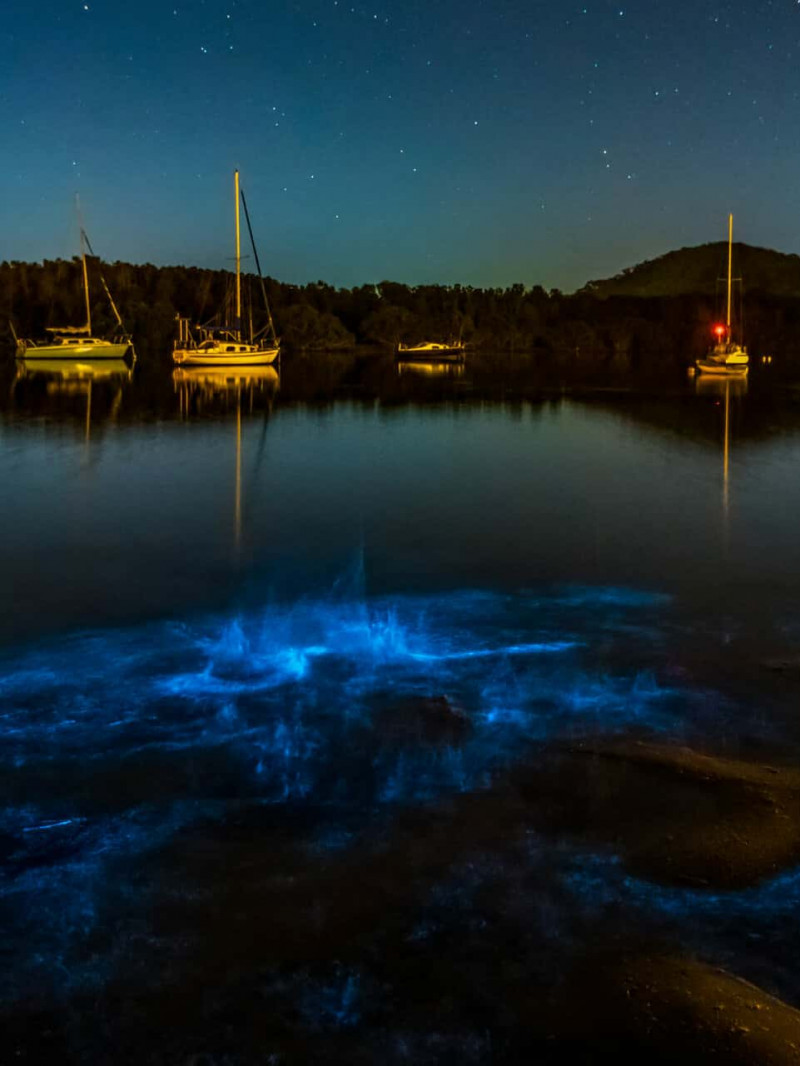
(259, 637)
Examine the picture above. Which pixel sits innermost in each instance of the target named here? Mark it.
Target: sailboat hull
(219, 357)
(91, 349)
(709, 366)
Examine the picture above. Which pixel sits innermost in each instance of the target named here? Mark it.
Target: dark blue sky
(428, 140)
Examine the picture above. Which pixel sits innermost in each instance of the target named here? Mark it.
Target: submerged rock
(674, 815)
(432, 720)
(678, 1010)
(787, 665)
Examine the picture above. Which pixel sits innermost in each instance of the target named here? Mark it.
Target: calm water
(232, 611)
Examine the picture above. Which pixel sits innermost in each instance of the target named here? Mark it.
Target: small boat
(727, 357)
(77, 342)
(225, 346)
(721, 367)
(78, 346)
(431, 352)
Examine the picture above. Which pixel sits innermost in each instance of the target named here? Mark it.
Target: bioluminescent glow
(602, 880)
(344, 709)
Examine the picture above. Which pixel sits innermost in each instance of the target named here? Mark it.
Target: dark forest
(639, 321)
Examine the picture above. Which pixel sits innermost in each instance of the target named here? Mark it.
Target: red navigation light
(720, 331)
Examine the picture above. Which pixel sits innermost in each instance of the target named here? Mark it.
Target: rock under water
(673, 815)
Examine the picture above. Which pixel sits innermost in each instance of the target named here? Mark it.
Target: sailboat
(77, 342)
(431, 352)
(224, 346)
(727, 356)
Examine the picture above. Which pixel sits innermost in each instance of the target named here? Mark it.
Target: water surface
(252, 625)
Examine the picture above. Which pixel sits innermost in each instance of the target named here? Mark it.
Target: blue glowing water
(337, 713)
(113, 740)
(116, 741)
(291, 811)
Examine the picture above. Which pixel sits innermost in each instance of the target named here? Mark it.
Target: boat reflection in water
(75, 370)
(723, 390)
(202, 389)
(719, 388)
(430, 368)
(198, 385)
(76, 377)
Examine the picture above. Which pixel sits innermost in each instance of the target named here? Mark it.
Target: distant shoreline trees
(639, 320)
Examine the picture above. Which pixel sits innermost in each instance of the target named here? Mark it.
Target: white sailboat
(223, 346)
(77, 342)
(431, 351)
(727, 357)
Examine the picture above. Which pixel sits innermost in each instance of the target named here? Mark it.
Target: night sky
(423, 141)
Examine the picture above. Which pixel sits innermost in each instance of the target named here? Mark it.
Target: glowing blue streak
(47, 825)
(492, 653)
(586, 596)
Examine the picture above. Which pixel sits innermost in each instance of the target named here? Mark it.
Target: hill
(695, 271)
(652, 317)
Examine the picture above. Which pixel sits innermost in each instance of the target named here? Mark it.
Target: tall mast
(730, 270)
(86, 288)
(239, 261)
(85, 271)
(85, 241)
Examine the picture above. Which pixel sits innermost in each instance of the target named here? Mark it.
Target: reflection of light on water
(68, 375)
(716, 387)
(238, 501)
(724, 389)
(196, 385)
(725, 461)
(441, 369)
(75, 377)
(209, 381)
(87, 431)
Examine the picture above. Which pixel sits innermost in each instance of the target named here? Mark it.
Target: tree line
(619, 332)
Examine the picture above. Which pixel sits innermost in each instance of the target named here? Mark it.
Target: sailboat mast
(85, 271)
(86, 294)
(730, 270)
(238, 260)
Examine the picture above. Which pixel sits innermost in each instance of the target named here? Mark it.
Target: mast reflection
(724, 390)
(203, 390)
